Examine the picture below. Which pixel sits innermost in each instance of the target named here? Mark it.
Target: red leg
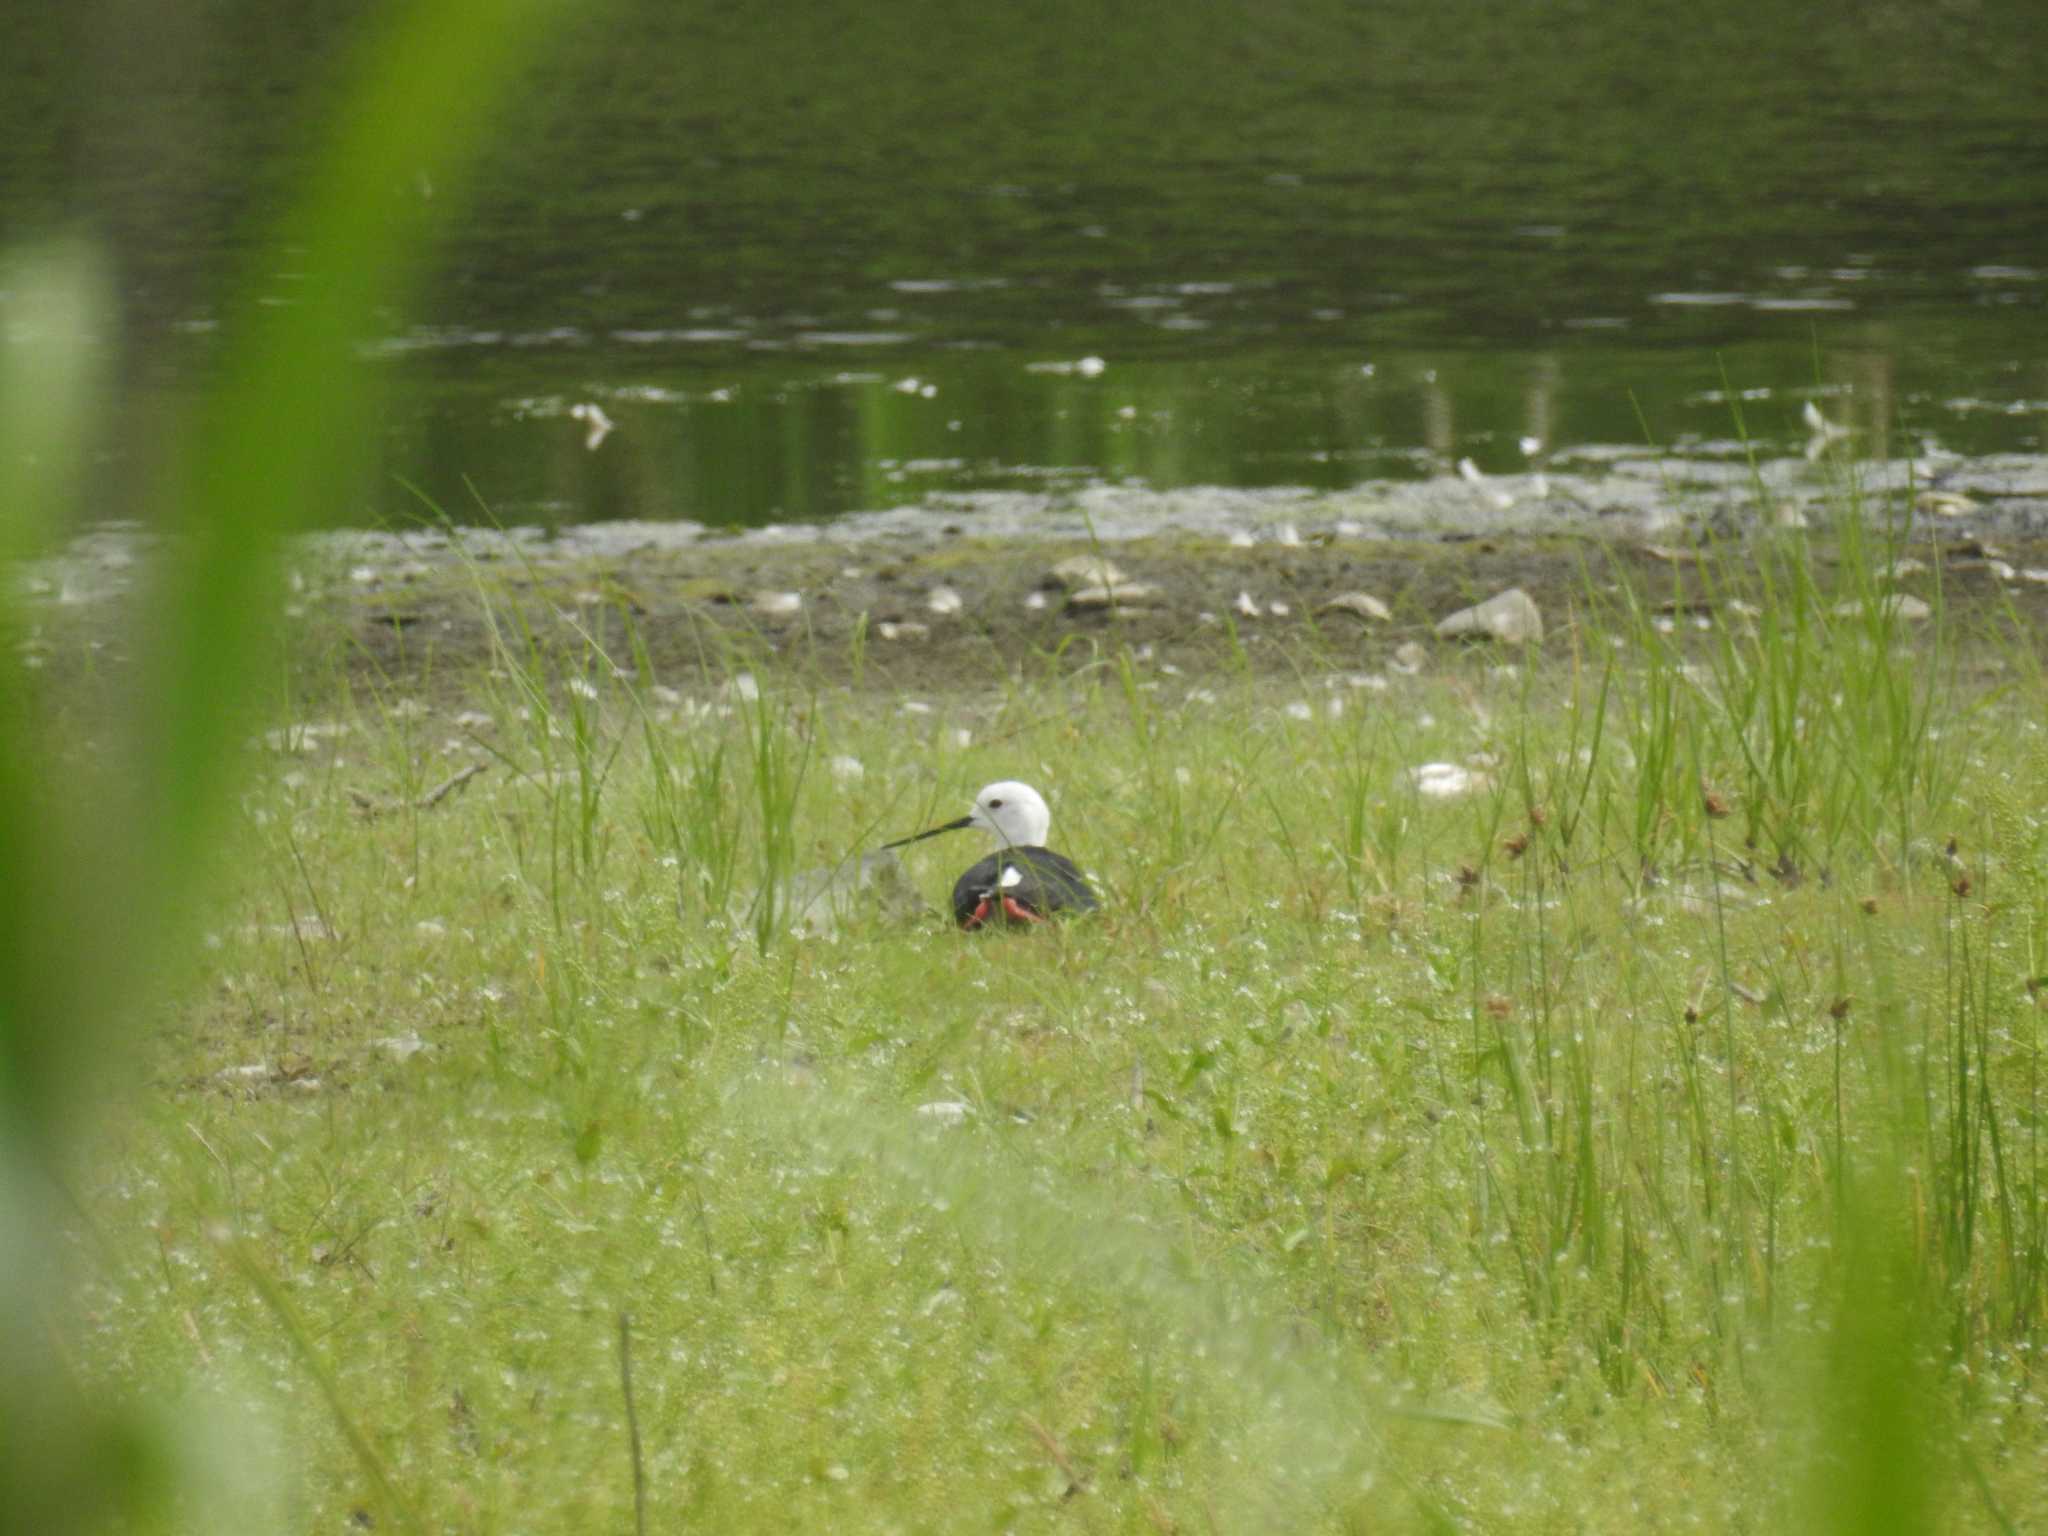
(975, 918)
(1017, 912)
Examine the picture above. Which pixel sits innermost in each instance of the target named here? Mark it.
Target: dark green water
(1310, 243)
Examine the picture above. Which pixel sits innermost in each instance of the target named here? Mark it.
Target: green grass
(1566, 1156)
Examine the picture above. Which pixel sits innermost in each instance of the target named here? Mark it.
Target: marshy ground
(1634, 1122)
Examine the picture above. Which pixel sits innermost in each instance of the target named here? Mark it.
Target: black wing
(1045, 883)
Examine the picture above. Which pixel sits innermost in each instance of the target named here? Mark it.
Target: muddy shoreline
(972, 612)
(928, 600)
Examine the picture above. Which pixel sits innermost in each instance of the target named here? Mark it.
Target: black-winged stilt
(1023, 881)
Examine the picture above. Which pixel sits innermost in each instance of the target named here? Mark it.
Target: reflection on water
(792, 436)
(1309, 245)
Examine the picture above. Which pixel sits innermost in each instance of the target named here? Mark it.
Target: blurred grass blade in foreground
(98, 866)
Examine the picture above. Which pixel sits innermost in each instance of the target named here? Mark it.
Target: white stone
(1895, 605)
(1124, 594)
(1087, 571)
(1362, 604)
(1510, 617)
(1443, 781)
(1475, 477)
(1944, 504)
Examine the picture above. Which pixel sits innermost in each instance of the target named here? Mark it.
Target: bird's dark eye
(995, 805)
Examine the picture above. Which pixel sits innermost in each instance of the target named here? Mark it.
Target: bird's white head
(1014, 812)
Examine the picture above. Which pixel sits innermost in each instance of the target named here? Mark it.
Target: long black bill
(918, 837)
